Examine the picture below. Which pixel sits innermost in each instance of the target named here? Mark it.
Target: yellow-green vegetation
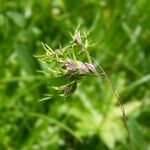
(43, 102)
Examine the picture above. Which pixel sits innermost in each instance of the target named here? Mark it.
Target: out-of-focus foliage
(91, 118)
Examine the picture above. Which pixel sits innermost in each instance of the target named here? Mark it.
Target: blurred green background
(91, 119)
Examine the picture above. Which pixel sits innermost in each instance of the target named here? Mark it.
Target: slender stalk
(117, 95)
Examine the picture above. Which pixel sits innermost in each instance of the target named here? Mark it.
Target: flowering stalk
(64, 64)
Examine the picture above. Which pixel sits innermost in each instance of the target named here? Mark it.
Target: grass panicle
(67, 64)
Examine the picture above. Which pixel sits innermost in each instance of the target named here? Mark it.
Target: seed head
(77, 38)
(90, 67)
(64, 89)
(82, 68)
(69, 65)
(69, 88)
(77, 67)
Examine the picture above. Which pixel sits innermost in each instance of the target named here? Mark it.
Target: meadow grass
(90, 118)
